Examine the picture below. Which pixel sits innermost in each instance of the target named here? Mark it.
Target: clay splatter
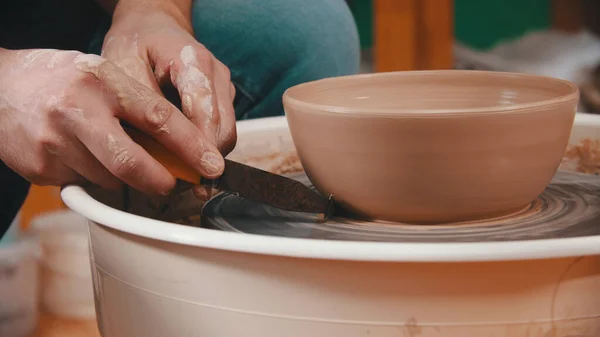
(188, 56)
(193, 83)
(88, 63)
(121, 157)
(32, 56)
(412, 328)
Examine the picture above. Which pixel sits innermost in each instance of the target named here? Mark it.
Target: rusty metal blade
(270, 189)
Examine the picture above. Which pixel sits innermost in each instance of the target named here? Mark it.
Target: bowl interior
(431, 91)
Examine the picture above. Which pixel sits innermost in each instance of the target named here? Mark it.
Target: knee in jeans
(270, 46)
(325, 40)
(318, 35)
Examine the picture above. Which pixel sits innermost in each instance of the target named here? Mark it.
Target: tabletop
(50, 326)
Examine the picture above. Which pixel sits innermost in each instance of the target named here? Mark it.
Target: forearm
(180, 10)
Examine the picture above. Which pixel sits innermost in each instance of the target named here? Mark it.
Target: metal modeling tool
(245, 181)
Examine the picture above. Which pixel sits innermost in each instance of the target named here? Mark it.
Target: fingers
(201, 192)
(139, 70)
(191, 74)
(232, 91)
(56, 175)
(124, 53)
(202, 82)
(125, 159)
(67, 162)
(226, 132)
(65, 176)
(154, 115)
(87, 166)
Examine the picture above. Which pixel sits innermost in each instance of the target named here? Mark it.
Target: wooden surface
(395, 34)
(40, 200)
(435, 39)
(568, 15)
(413, 34)
(54, 327)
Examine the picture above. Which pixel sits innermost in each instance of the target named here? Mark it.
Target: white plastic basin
(19, 281)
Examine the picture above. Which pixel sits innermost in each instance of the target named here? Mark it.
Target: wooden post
(435, 39)
(568, 15)
(41, 199)
(395, 35)
(413, 34)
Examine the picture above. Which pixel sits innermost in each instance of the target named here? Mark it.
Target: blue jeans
(271, 45)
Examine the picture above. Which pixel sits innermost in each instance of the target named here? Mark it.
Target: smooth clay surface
(432, 146)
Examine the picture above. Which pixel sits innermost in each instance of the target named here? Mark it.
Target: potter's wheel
(568, 208)
(381, 289)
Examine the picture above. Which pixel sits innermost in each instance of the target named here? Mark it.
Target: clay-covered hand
(157, 48)
(60, 122)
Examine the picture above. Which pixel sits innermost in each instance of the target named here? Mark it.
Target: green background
(478, 23)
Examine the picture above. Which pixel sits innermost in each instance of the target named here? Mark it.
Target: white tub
(66, 286)
(155, 279)
(19, 281)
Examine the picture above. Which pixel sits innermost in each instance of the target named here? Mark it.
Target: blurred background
(435, 34)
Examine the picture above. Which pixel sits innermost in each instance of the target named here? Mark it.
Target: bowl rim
(76, 198)
(290, 100)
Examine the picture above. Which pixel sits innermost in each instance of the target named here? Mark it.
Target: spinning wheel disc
(569, 207)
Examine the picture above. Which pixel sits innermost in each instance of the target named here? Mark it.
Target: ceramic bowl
(432, 146)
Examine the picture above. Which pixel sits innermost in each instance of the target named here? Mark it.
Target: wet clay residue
(583, 157)
(289, 163)
(279, 163)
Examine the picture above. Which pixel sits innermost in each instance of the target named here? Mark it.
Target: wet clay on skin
(435, 146)
(193, 84)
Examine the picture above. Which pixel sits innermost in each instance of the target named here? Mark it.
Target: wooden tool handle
(177, 167)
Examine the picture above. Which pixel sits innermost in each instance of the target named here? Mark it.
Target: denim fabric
(12, 233)
(271, 45)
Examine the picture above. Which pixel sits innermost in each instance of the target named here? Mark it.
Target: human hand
(156, 49)
(60, 114)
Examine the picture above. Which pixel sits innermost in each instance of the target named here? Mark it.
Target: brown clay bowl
(432, 146)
